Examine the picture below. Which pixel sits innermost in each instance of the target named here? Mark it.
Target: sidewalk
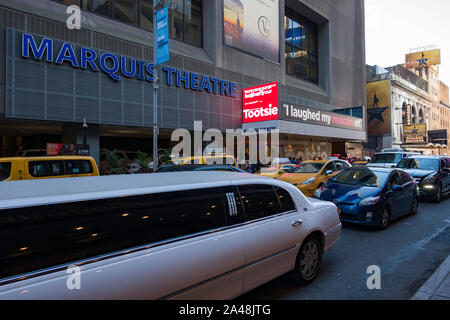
(437, 286)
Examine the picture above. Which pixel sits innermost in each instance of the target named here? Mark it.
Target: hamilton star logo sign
(376, 114)
(423, 61)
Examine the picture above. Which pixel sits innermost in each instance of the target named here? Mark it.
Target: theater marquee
(319, 117)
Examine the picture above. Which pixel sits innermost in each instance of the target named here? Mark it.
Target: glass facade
(185, 16)
(300, 47)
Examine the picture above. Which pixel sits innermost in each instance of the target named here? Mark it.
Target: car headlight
(309, 181)
(370, 201)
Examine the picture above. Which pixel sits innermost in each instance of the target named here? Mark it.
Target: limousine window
(235, 215)
(46, 168)
(78, 167)
(35, 238)
(259, 201)
(285, 199)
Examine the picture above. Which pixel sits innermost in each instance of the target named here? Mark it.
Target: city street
(408, 252)
(166, 150)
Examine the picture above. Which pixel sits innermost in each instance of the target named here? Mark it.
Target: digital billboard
(260, 103)
(320, 117)
(379, 107)
(423, 59)
(253, 26)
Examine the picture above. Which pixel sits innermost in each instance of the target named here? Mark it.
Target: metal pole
(155, 90)
(85, 126)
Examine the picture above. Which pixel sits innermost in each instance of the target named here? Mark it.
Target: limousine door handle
(297, 223)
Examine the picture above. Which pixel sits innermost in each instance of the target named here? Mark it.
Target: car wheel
(438, 196)
(415, 206)
(384, 219)
(308, 261)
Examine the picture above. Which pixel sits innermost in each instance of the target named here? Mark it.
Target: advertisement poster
(423, 59)
(60, 149)
(260, 103)
(379, 107)
(314, 116)
(253, 26)
(162, 16)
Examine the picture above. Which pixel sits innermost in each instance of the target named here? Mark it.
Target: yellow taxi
(311, 175)
(360, 163)
(20, 168)
(209, 159)
(275, 171)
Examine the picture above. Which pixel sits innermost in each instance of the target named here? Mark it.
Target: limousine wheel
(308, 260)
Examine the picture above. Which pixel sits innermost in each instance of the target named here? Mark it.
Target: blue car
(372, 196)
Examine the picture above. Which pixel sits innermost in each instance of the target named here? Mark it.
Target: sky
(393, 27)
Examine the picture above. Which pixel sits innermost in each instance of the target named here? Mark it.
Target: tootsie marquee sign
(319, 117)
(260, 103)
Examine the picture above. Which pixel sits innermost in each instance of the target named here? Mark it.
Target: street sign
(162, 35)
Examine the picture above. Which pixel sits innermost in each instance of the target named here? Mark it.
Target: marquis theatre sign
(319, 117)
(118, 67)
(260, 103)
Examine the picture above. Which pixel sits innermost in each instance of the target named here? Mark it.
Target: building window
(185, 16)
(103, 7)
(126, 11)
(301, 47)
(71, 2)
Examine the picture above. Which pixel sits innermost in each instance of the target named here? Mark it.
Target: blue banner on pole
(162, 34)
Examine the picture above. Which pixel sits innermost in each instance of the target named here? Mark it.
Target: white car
(389, 159)
(199, 235)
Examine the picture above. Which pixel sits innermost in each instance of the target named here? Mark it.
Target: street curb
(429, 290)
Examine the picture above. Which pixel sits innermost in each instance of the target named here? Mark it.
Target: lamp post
(161, 38)
(156, 6)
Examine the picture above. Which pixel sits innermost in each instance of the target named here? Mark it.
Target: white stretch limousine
(189, 235)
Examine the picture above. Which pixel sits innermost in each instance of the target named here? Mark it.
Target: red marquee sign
(260, 103)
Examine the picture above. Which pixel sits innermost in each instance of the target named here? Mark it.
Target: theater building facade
(53, 78)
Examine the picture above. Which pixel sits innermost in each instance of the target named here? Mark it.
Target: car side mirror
(393, 166)
(447, 170)
(397, 188)
(328, 172)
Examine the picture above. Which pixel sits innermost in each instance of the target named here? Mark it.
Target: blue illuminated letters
(117, 66)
